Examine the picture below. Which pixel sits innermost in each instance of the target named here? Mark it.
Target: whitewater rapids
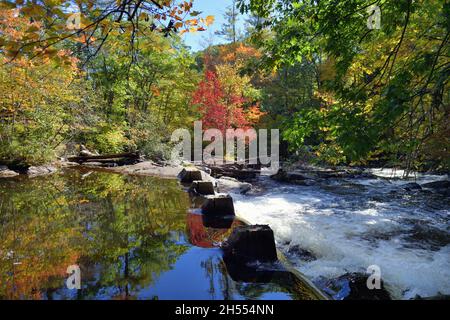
(348, 225)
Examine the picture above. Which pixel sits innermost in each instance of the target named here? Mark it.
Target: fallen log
(106, 157)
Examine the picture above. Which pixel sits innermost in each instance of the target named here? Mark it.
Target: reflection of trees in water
(119, 230)
(220, 284)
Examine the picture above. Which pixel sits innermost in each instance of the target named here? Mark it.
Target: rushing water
(132, 238)
(344, 226)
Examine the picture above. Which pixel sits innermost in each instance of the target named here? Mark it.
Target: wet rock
(301, 253)
(35, 171)
(437, 184)
(251, 243)
(6, 173)
(202, 187)
(353, 286)
(228, 184)
(218, 205)
(412, 186)
(288, 177)
(189, 175)
(256, 191)
(427, 237)
(441, 187)
(280, 176)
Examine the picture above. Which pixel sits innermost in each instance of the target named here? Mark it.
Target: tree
(36, 99)
(386, 92)
(229, 30)
(91, 23)
(221, 109)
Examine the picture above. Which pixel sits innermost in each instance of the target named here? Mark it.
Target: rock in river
(41, 170)
(6, 173)
(442, 187)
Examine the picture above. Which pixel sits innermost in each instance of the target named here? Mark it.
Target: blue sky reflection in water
(132, 237)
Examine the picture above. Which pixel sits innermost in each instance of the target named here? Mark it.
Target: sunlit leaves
(90, 22)
(395, 76)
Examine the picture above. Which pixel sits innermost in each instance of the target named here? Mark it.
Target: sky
(197, 41)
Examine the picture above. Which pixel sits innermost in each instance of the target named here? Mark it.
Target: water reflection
(131, 236)
(122, 231)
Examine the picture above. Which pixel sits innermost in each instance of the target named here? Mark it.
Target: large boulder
(441, 187)
(202, 188)
(189, 175)
(251, 243)
(218, 205)
(229, 185)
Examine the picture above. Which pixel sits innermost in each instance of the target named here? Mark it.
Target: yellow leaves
(191, 22)
(327, 70)
(33, 10)
(209, 20)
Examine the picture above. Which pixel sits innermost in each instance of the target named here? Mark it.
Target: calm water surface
(132, 238)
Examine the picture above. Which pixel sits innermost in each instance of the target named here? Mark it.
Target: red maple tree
(219, 112)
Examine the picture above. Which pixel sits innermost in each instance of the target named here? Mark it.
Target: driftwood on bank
(107, 158)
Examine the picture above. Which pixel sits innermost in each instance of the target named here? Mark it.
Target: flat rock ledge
(149, 168)
(6, 173)
(35, 171)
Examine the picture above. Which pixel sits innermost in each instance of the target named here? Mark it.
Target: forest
(116, 76)
(92, 92)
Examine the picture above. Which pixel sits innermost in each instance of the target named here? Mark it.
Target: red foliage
(216, 112)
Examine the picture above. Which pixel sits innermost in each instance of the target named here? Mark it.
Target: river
(343, 226)
(131, 238)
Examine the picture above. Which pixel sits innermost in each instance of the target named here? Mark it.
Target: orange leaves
(197, 24)
(209, 20)
(254, 114)
(85, 39)
(51, 24)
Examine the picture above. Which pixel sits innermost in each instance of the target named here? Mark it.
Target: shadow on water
(131, 237)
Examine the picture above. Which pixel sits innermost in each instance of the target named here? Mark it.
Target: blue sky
(215, 8)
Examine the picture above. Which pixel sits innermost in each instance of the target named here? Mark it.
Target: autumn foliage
(217, 113)
(226, 98)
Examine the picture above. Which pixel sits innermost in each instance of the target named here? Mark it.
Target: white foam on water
(400, 174)
(349, 236)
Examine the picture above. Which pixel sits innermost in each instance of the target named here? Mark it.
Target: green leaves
(387, 85)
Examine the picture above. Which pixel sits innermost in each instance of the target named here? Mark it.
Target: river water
(339, 227)
(131, 237)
